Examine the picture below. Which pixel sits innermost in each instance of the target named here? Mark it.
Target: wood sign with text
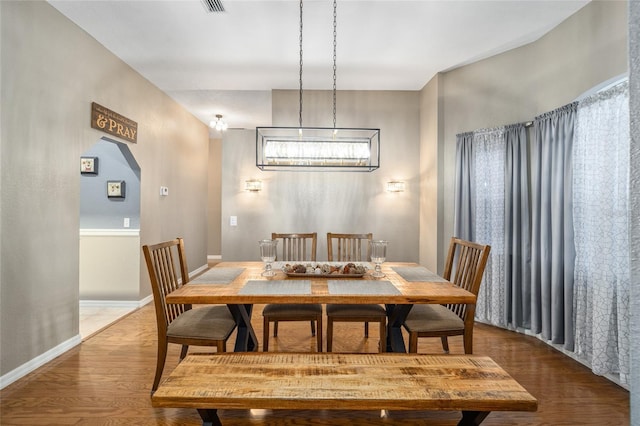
(113, 123)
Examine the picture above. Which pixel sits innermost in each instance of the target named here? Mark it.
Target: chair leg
(183, 352)
(366, 329)
(445, 344)
(413, 343)
(162, 355)
(275, 329)
(383, 336)
(265, 334)
(313, 328)
(329, 334)
(319, 334)
(468, 341)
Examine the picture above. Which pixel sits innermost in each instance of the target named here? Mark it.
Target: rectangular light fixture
(395, 186)
(325, 148)
(253, 185)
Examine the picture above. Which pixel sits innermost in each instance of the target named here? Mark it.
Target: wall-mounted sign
(113, 123)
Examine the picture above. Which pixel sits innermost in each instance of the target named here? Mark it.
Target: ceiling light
(219, 124)
(329, 148)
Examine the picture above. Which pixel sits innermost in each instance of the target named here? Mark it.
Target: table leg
(246, 340)
(473, 418)
(396, 315)
(209, 417)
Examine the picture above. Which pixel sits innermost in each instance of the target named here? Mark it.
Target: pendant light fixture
(219, 124)
(313, 148)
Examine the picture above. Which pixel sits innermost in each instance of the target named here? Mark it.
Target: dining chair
(180, 324)
(464, 267)
(353, 248)
(295, 248)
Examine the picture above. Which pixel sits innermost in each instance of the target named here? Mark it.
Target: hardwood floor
(106, 381)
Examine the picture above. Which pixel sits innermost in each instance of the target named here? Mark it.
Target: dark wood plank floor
(106, 381)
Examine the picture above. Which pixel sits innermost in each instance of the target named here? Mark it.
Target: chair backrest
(162, 260)
(297, 247)
(349, 247)
(466, 260)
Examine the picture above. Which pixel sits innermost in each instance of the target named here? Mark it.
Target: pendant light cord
(335, 14)
(335, 45)
(300, 117)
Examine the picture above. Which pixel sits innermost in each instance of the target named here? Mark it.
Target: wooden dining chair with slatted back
(295, 248)
(353, 248)
(464, 267)
(180, 324)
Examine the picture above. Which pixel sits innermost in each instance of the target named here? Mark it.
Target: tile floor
(95, 318)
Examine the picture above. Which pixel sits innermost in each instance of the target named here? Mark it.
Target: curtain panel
(489, 148)
(492, 207)
(517, 228)
(601, 218)
(465, 187)
(552, 247)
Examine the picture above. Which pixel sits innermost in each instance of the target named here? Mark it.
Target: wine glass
(378, 256)
(268, 255)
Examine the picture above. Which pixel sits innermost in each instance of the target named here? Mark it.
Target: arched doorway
(109, 235)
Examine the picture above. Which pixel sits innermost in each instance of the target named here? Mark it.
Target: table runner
(218, 276)
(361, 287)
(417, 274)
(285, 287)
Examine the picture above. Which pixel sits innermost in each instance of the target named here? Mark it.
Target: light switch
(233, 220)
(164, 191)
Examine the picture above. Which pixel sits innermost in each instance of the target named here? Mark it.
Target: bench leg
(209, 417)
(473, 418)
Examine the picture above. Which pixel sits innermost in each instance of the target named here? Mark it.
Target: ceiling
(228, 62)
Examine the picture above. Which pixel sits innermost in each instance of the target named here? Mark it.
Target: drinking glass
(268, 255)
(378, 256)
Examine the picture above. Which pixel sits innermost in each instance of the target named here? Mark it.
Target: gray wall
(214, 206)
(51, 72)
(431, 129)
(634, 189)
(327, 201)
(588, 48)
(97, 211)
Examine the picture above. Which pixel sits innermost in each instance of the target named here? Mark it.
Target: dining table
(240, 285)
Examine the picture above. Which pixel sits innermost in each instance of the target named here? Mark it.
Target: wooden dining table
(404, 285)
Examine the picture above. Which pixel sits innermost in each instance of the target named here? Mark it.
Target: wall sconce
(395, 186)
(253, 185)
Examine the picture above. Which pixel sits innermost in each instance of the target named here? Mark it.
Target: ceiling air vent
(213, 5)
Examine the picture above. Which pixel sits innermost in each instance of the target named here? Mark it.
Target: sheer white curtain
(489, 228)
(601, 224)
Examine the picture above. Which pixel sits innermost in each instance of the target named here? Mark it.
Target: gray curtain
(464, 201)
(552, 246)
(517, 223)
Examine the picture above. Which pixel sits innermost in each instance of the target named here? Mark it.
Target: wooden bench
(475, 385)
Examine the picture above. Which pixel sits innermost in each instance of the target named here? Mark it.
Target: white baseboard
(39, 361)
(63, 347)
(214, 257)
(133, 304)
(198, 271)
